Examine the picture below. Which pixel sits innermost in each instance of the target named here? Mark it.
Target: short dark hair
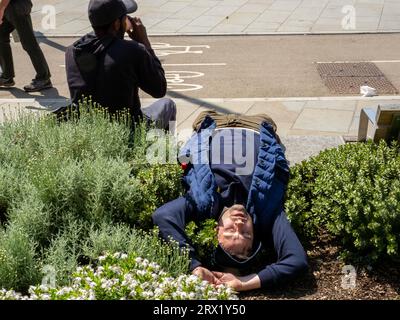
(104, 29)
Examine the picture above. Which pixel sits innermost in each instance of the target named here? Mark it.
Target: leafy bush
(60, 183)
(18, 263)
(353, 193)
(159, 184)
(65, 251)
(203, 237)
(122, 277)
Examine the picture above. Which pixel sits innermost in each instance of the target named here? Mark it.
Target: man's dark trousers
(16, 19)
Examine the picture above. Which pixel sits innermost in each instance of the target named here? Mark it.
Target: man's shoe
(6, 83)
(38, 85)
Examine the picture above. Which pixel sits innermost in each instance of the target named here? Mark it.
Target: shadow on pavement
(200, 102)
(51, 93)
(43, 39)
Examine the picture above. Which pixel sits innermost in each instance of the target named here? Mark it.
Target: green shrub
(65, 251)
(203, 237)
(353, 194)
(11, 182)
(60, 182)
(19, 267)
(159, 184)
(31, 217)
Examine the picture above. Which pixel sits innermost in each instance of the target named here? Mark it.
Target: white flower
(116, 269)
(138, 260)
(147, 294)
(145, 263)
(193, 278)
(43, 287)
(183, 295)
(78, 279)
(45, 296)
(158, 292)
(141, 272)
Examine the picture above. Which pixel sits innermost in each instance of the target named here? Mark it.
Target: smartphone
(128, 24)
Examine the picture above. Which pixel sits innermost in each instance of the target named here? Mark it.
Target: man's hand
(138, 32)
(230, 280)
(1, 16)
(249, 282)
(206, 274)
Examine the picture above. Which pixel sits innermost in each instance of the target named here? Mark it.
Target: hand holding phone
(128, 24)
(138, 31)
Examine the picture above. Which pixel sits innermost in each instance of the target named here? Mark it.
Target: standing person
(15, 15)
(109, 69)
(236, 173)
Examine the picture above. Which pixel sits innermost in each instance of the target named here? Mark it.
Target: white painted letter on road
(49, 20)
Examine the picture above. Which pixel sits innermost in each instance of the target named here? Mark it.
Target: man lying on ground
(236, 173)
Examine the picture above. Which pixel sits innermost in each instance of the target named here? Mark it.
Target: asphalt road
(236, 66)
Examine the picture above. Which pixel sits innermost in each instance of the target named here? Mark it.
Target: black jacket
(112, 70)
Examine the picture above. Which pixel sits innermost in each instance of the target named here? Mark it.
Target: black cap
(103, 12)
(223, 259)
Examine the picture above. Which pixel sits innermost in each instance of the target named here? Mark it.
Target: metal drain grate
(348, 70)
(351, 85)
(347, 78)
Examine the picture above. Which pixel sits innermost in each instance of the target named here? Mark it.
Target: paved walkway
(306, 125)
(233, 16)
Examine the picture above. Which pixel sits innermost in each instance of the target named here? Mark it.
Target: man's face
(235, 231)
(123, 25)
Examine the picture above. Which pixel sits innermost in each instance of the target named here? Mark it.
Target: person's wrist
(250, 282)
(147, 44)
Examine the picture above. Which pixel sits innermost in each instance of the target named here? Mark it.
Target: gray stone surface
(232, 16)
(299, 148)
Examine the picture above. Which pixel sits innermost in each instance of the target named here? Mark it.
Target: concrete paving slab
(296, 25)
(380, 15)
(258, 8)
(173, 6)
(277, 16)
(221, 10)
(314, 4)
(299, 148)
(170, 25)
(241, 18)
(207, 21)
(333, 105)
(189, 29)
(355, 123)
(276, 110)
(285, 5)
(223, 27)
(191, 12)
(338, 121)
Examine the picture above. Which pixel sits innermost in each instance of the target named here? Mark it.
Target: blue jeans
(161, 113)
